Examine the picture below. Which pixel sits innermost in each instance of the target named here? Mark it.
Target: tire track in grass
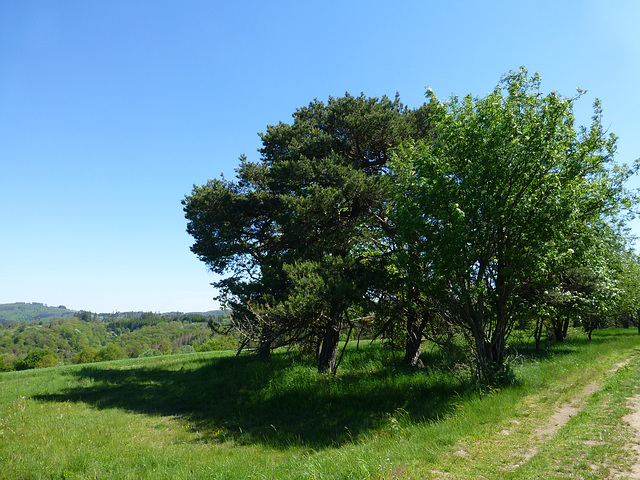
(559, 419)
(633, 419)
(521, 454)
(563, 415)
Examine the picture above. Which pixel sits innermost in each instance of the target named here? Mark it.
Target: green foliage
(187, 349)
(505, 194)
(293, 231)
(77, 341)
(152, 352)
(87, 355)
(64, 336)
(494, 212)
(39, 358)
(110, 352)
(218, 343)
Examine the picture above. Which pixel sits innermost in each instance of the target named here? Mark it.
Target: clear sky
(110, 112)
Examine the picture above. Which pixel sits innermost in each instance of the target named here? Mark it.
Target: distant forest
(29, 312)
(34, 311)
(47, 336)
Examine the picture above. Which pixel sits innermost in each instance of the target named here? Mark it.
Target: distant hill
(32, 312)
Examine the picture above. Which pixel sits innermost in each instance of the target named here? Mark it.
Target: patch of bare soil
(633, 419)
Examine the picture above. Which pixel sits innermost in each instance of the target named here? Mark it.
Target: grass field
(214, 416)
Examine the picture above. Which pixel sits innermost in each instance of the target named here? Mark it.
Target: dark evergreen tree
(296, 232)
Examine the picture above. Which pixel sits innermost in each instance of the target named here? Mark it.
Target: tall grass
(211, 415)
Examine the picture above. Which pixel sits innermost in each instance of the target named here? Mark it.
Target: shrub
(186, 349)
(39, 358)
(48, 361)
(110, 352)
(220, 343)
(152, 352)
(87, 355)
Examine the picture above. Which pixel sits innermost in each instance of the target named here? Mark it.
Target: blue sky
(110, 112)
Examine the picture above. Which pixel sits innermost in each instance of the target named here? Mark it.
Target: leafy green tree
(186, 349)
(504, 187)
(50, 360)
(39, 358)
(83, 315)
(110, 352)
(218, 343)
(165, 346)
(86, 355)
(625, 299)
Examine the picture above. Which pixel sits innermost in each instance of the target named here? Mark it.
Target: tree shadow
(279, 403)
(283, 402)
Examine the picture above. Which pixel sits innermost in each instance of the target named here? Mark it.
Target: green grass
(211, 415)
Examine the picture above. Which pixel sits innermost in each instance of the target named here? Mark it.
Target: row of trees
(461, 217)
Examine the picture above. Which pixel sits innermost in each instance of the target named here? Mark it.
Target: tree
(83, 315)
(39, 358)
(504, 187)
(293, 233)
(86, 355)
(625, 291)
(237, 236)
(110, 352)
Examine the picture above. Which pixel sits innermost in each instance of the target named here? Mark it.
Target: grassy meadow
(213, 416)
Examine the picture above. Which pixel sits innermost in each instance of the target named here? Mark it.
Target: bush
(39, 358)
(152, 352)
(220, 343)
(110, 352)
(186, 349)
(87, 355)
(48, 361)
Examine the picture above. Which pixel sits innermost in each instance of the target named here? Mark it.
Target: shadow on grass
(279, 403)
(283, 402)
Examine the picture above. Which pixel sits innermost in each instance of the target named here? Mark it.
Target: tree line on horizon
(464, 218)
(36, 311)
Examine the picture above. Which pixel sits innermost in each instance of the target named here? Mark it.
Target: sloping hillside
(29, 312)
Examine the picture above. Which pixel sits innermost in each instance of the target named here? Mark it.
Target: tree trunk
(264, 348)
(490, 353)
(565, 328)
(414, 341)
(537, 333)
(481, 351)
(329, 349)
(560, 329)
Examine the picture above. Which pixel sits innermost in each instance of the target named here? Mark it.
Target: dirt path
(558, 420)
(566, 411)
(633, 419)
(518, 454)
